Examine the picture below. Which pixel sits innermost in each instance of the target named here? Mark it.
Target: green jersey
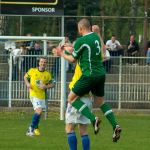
(87, 50)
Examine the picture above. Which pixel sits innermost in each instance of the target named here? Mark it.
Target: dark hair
(113, 35)
(42, 57)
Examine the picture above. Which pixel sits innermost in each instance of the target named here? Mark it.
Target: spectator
(106, 60)
(132, 50)
(114, 47)
(36, 50)
(148, 53)
(8, 47)
(29, 44)
(16, 66)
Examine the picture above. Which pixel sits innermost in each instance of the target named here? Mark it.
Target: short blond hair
(84, 23)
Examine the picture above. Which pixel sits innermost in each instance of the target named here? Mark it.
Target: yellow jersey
(76, 77)
(36, 78)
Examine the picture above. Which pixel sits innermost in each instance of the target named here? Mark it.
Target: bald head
(96, 29)
(84, 26)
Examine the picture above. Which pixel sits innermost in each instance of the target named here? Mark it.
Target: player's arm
(46, 86)
(49, 85)
(74, 51)
(67, 53)
(70, 58)
(27, 81)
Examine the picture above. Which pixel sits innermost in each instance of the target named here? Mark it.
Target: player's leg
(76, 102)
(84, 110)
(37, 105)
(33, 128)
(105, 108)
(71, 136)
(83, 123)
(107, 111)
(70, 119)
(81, 88)
(36, 120)
(84, 136)
(39, 110)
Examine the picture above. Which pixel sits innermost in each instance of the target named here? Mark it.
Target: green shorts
(86, 84)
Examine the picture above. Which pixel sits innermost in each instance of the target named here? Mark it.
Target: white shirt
(10, 45)
(16, 53)
(113, 45)
(106, 55)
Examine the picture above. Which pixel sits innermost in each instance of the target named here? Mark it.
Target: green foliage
(114, 24)
(82, 7)
(12, 24)
(39, 25)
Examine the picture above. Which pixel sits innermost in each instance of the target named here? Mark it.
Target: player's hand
(29, 86)
(42, 86)
(67, 47)
(57, 51)
(51, 85)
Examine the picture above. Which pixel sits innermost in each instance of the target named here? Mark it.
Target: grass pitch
(13, 126)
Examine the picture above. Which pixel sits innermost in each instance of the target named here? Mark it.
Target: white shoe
(116, 133)
(96, 125)
(30, 132)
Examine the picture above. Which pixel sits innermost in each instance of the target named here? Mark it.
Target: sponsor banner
(31, 7)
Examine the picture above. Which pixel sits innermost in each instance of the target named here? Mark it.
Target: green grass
(135, 134)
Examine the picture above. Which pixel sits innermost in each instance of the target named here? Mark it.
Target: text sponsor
(45, 9)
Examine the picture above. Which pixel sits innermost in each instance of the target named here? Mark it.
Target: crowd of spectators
(24, 54)
(32, 49)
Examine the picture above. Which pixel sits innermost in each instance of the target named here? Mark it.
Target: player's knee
(39, 111)
(69, 128)
(83, 130)
(98, 101)
(72, 97)
(69, 101)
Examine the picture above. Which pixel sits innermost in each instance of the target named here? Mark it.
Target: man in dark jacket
(132, 49)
